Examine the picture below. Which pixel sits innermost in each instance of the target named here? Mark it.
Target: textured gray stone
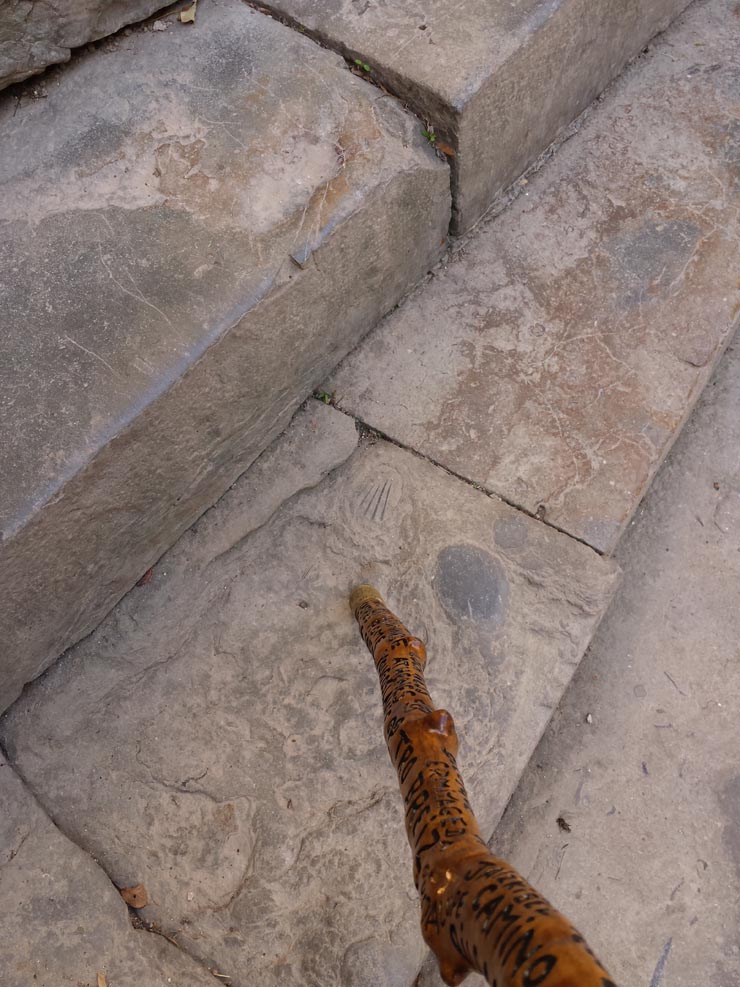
(35, 33)
(63, 921)
(157, 334)
(651, 787)
(219, 736)
(498, 81)
(556, 358)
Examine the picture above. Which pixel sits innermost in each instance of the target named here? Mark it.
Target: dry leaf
(187, 16)
(135, 897)
(102, 982)
(445, 149)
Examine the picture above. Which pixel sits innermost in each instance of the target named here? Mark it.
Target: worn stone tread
(183, 221)
(219, 737)
(651, 787)
(64, 923)
(557, 356)
(35, 34)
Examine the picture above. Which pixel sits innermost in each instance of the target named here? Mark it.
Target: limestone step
(498, 82)
(219, 737)
(196, 225)
(649, 788)
(36, 35)
(557, 356)
(64, 923)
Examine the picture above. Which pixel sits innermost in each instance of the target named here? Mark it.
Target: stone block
(219, 737)
(557, 356)
(498, 82)
(35, 34)
(195, 229)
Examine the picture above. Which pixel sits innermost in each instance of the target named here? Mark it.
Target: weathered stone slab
(63, 921)
(218, 737)
(498, 81)
(556, 358)
(195, 228)
(35, 34)
(651, 787)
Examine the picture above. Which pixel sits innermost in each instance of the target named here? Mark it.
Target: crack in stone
(180, 788)
(241, 884)
(371, 432)
(136, 922)
(17, 849)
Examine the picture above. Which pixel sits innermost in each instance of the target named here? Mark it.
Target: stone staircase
(190, 252)
(185, 214)
(557, 354)
(187, 254)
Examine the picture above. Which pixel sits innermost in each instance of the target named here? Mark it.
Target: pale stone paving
(64, 923)
(219, 737)
(650, 785)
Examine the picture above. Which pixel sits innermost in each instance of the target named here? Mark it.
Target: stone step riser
(498, 86)
(562, 350)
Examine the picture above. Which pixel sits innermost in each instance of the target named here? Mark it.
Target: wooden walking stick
(477, 912)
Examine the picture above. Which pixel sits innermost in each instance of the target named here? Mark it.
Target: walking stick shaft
(477, 913)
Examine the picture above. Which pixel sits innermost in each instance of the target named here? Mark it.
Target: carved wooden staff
(477, 912)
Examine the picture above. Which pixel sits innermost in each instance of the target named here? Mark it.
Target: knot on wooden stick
(440, 722)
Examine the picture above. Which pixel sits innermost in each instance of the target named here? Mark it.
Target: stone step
(197, 224)
(650, 787)
(498, 82)
(219, 737)
(557, 356)
(36, 35)
(64, 923)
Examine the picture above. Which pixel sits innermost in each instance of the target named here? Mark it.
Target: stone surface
(651, 788)
(498, 81)
(157, 331)
(35, 34)
(63, 921)
(557, 356)
(218, 738)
